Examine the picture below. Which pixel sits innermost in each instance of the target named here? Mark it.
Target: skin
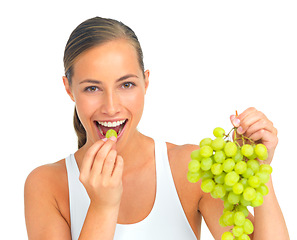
(111, 166)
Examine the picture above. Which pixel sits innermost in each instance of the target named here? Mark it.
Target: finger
(261, 124)
(267, 138)
(118, 169)
(100, 157)
(90, 156)
(249, 120)
(109, 163)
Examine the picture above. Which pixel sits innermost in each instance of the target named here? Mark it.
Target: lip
(101, 136)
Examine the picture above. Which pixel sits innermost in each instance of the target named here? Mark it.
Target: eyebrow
(100, 82)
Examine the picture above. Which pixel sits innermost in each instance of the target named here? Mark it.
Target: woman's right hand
(101, 174)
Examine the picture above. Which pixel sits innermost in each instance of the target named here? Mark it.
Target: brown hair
(90, 33)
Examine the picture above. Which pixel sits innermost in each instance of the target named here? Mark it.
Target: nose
(110, 106)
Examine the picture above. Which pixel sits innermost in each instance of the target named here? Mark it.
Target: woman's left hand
(256, 126)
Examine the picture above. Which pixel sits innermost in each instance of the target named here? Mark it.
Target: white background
(207, 59)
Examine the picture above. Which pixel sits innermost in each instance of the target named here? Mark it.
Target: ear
(146, 79)
(68, 88)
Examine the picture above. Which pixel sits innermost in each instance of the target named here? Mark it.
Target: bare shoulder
(46, 199)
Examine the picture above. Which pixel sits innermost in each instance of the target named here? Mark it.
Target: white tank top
(166, 220)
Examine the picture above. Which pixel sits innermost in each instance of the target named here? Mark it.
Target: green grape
(244, 182)
(261, 151)
(238, 188)
(217, 168)
(248, 173)
(233, 198)
(266, 168)
(227, 236)
(239, 218)
(220, 178)
(205, 142)
(218, 191)
(240, 167)
(228, 218)
(243, 209)
(248, 226)
(228, 165)
(254, 165)
(206, 151)
(247, 150)
(228, 206)
(243, 237)
(207, 185)
(221, 222)
(263, 189)
(219, 132)
(254, 181)
(244, 202)
(110, 133)
(206, 163)
(230, 149)
(195, 155)
(238, 156)
(194, 166)
(228, 188)
(249, 194)
(206, 175)
(231, 178)
(237, 231)
(258, 200)
(218, 144)
(219, 156)
(263, 177)
(193, 177)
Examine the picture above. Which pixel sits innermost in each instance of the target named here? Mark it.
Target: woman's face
(108, 88)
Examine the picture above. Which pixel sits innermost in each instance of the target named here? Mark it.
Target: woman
(132, 186)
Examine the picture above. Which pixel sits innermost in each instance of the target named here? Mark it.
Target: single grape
(219, 132)
(238, 188)
(240, 167)
(110, 133)
(258, 200)
(247, 150)
(231, 178)
(249, 194)
(238, 156)
(218, 144)
(233, 198)
(230, 149)
(227, 236)
(228, 165)
(266, 168)
(218, 191)
(217, 169)
(243, 209)
(206, 163)
(205, 142)
(263, 189)
(195, 155)
(254, 165)
(207, 185)
(261, 151)
(219, 156)
(206, 175)
(194, 166)
(248, 226)
(206, 151)
(193, 177)
(228, 218)
(237, 231)
(248, 173)
(220, 178)
(254, 181)
(263, 176)
(239, 218)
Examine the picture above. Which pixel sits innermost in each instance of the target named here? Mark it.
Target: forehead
(108, 60)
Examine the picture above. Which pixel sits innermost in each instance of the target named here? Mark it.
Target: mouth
(118, 126)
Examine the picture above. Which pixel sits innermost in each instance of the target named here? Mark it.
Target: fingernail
(113, 138)
(232, 117)
(104, 139)
(236, 122)
(239, 130)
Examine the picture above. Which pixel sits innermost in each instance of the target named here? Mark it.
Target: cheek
(134, 103)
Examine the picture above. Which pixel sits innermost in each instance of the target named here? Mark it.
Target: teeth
(111, 124)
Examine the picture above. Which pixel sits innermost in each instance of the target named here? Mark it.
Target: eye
(91, 89)
(128, 85)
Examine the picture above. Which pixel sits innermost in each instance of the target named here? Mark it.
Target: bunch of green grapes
(231, 171)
